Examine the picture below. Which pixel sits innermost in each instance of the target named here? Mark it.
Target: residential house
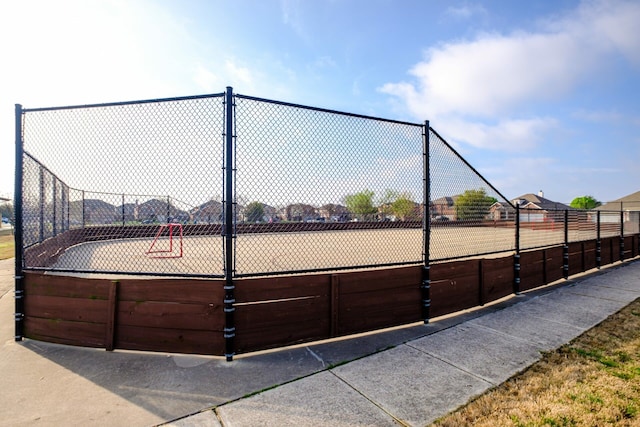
(443, 207)
(629, 206)
(536, 208)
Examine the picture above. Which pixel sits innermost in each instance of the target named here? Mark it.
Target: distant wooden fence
(186, 315)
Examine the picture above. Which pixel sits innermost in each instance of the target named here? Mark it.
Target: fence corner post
(565, 248)
(516, 256)
(17, 232)
(228, 230)
(425, 285)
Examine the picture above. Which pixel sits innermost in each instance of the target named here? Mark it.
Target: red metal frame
(170, 226)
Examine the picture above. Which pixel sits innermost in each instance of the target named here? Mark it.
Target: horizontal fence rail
(259, 224)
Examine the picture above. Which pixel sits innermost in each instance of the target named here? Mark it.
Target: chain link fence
(338, 190)
(468, 216)
(122, 172)
(140, 188)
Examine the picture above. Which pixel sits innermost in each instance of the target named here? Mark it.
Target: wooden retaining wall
(186, 315)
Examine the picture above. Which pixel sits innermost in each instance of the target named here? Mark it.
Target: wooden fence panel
(370, 300)
(173, 315)
(497, 278)
(607, 251)
(589, 255)
(66, 310)
(576, 258)
(278, 311)
(532, 269)
(554, 263)
(454, 286)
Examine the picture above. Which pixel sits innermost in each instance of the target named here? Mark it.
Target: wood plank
(576, 258)
(112, 305)
(274, 288)
(454, 286)
(497, 278)
(65, 286)
(531, 269)
(82, 334)
(187, 290)
(155, 314)
(554, 264)
(380, 280)
(279, 323)
(170, 340)
(71, 309)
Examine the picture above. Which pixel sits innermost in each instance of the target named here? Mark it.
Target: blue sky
(536, 95)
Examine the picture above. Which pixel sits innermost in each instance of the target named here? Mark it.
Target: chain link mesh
(132, 167)
(320, 190)
(468, 216)
(139, 188)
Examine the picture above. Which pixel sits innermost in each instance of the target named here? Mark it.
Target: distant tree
(404, 207)
(254, 212)
(385, 201)
(585, 202)
(473, 205)
(361, 204)
(6, 210)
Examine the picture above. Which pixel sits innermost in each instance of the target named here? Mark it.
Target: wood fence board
(606, 251)
(282, 322)
(378, 299)
(170, 315)
(531, 269)
(380, 280)
(554, 264)
(497, 278)
(275, 288)
(454, 286)
(72, 309)
(576, 258)
(188, 290)
(170, 340)
(82, 334)
(65, 286)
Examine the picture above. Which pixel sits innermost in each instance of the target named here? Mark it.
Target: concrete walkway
(406, 376)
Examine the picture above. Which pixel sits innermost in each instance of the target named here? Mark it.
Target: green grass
(592, 381)
(7, 247)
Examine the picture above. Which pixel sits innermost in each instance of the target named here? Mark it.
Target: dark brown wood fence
(186, 315)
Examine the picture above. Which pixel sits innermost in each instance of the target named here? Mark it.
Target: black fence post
(598, 242)
(18, 227)
(565, 249)
(41, 201)
(123, 219)
(54, 223)
(84, 207)
(621, 233)
(168, 209)
(425, 287)
(228, 229)
(516, 257)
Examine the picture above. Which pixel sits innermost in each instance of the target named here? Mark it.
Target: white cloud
(490, 77)
(206, 79)
(466, 11)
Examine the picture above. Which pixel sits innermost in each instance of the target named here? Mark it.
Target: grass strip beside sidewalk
(594, 380)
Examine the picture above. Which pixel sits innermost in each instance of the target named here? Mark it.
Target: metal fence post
(229, 287)
(123, 219)
(55, 204)
(621, 233)
(18, 224)
(598, 242)
(565, 249)
(516, 257)
(425, 287)
(84, 222)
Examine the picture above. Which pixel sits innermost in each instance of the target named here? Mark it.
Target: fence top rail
(325, 110)
(122, 103)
